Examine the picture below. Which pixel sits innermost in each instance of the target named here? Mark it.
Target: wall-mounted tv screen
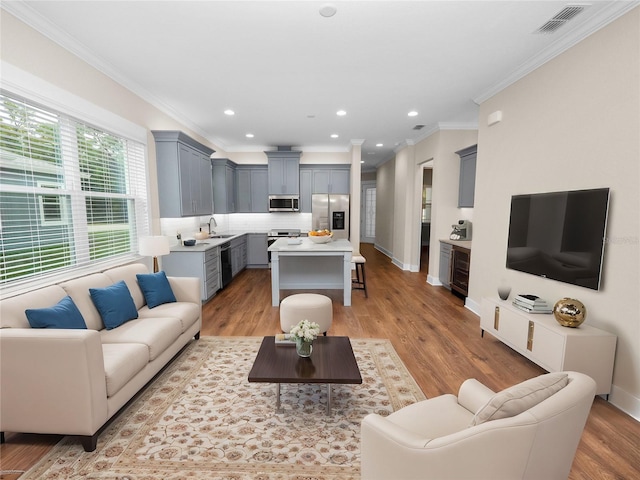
(559, 235)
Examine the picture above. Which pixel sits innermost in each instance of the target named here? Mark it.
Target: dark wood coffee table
(332, 361)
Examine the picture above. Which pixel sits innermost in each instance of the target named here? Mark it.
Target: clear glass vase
(303, 347)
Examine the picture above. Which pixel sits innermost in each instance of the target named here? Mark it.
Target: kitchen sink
(221, 236)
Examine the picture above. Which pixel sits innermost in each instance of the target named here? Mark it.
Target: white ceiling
(285, 70)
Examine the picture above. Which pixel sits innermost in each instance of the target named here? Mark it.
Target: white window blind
(71, 195)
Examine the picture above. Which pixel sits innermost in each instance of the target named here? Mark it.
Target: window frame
(38, 92)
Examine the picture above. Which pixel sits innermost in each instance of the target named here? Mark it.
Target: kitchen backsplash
(241, 222)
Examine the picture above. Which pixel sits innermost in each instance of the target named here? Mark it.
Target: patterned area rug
(202, 419)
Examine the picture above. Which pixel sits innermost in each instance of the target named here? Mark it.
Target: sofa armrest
(52, 381)
(473, 395)
(186, 289)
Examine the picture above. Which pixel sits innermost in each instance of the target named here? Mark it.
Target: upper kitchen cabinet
(284, 171)
(252, 194)
(331, 179)
(224, 185)
(184, 175)
(467, 186)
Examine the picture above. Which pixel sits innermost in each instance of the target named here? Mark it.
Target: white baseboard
(473, 306)
(435, 281)
(625, 402)
(382, 250)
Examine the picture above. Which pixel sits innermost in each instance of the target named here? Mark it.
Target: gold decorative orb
(569, 312)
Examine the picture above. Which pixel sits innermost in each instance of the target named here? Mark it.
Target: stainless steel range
(281, 233)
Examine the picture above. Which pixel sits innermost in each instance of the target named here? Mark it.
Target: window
(71, 195)
(52, 207)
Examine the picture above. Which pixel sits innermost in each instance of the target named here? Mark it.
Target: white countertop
(459, 243)
(306, 245)
(203, 245)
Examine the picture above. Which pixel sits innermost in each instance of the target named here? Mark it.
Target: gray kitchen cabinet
(467, 183)
(331, 180)
(238, 254)
(284, 172)
(306, 188)
(204, 264)
(184, 175)
(252, 193)
(257, 255)
(445, 264)
(224, 185)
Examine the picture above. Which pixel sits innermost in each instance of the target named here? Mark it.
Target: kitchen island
(305, 265)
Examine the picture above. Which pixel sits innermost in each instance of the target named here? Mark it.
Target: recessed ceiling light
(412, 113)
(328, 10)
(229, 112)
(379, 144)
(361, 161)
(341, 113)
(249, 135)
(334, 135)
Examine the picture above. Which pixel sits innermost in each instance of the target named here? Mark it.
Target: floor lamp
(154, 246)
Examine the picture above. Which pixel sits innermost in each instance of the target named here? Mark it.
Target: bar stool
(360, 282)
(306, 306)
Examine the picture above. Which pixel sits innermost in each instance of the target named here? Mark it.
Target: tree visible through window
(71, 194)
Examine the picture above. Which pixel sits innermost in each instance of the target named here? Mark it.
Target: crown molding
(33, 19)
(608, 14)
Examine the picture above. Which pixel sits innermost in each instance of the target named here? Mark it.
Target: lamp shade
(154, 246)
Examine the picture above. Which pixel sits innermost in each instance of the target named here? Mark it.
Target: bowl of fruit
(320, 236)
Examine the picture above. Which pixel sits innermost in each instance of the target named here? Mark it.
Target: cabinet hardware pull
(530, 336)
(496, 318)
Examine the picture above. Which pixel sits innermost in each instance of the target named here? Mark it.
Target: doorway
(425, 216)
(368, 212)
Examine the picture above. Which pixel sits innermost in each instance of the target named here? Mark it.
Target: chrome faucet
(214, 225)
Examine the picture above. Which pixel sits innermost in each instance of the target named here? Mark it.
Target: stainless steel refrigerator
(331, 212)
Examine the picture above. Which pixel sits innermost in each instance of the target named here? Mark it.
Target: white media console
(541, 339)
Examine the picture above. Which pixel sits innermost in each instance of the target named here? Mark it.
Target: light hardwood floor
(437, 338)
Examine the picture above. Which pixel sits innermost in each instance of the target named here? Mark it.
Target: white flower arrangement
(305, 330)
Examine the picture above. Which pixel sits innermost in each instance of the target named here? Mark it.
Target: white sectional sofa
(72, 381)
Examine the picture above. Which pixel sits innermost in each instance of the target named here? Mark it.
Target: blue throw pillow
(63, 315)
(155, 288)
(114, 304)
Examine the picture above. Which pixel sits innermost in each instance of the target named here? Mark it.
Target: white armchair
(529, 431)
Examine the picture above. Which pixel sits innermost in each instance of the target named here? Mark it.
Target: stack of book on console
(531, 304)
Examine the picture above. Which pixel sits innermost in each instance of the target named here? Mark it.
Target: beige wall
(441, 147)
(573, 123)
(385, 192)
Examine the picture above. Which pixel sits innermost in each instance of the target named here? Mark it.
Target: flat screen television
(559, 235)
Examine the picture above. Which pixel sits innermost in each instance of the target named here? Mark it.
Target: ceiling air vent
(559, 19)
(418, 127)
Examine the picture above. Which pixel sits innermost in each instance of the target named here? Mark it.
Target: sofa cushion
(64, 314)
(156, 333)
(12, 310)
(187, 312)
(155, 288)
(128, 274)
(78, 289)
(122, 361)
(521, 397)
(115, 304)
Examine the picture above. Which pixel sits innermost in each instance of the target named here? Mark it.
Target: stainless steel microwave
(284, 203)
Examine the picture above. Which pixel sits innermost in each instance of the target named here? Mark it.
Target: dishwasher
(225, 263)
